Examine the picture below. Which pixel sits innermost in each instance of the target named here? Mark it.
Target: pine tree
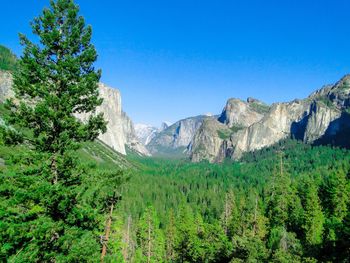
(279, 197)
(150, 238)
(170, 237)
(51, 215)
(313, 217)
(188, 245)
(229, 215)
(56, 79)
(336, 192)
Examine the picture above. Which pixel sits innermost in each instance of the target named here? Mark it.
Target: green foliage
(52, 203)
(8, 61)
(268, 208)
(326, 101)
(313, 215)
(260, 107)
(150, 238)
(224, 134)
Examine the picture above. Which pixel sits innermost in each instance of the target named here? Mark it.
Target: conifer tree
(57, 79)
(336, 192)
(188, 245)
(229, 214)
(170, 237)
(313, 217)
(150, 238)
(279, 197)
(56, 218)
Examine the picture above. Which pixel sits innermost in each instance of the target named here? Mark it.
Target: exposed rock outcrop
(242, 114)
(145, 133)
(120, 129)
(5, 86)
(111, 108)
(177, 136)
(323, 117)
(209, 142)
(131, 139)
(275, 125)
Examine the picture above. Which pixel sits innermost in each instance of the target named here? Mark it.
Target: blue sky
(178, 58)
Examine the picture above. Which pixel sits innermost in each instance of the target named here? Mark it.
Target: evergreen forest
(65, 196)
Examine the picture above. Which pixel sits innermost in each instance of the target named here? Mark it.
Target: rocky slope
(131, 140)
(175, 138)
(120, 129)
(5, 86)
(209, 142)
(239, 113)
(145, 133)
(323, 117)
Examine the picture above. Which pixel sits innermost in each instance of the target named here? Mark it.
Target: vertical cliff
(175, 138)
(120, 129)
(322, 118)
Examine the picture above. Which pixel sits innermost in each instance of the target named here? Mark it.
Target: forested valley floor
(286, 203)
(67, 197)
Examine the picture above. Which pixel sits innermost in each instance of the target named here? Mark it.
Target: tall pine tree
(48, 212)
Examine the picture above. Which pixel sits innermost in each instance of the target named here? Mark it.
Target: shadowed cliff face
(322, 118)
(120, 130)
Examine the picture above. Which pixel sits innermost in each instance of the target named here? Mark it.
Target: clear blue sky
(177, 58)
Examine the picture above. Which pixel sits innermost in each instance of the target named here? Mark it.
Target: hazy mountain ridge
(177, 137)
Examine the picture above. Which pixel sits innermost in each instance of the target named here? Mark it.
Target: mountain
(176, 138)
(145, 133)
(210, 141)
(120, 129)
(164, 125)
(322, 118)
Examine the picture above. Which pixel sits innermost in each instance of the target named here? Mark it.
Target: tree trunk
(255, 216)
(54, 169)
(127, 241)
(108, 230)
(149, 240)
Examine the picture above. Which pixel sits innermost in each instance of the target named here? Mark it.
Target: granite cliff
(322, 118)
(120, 129)
(176, 138)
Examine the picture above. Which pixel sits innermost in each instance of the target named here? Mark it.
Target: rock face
(132, 141)
(323, 117)
(145, 133)
(209, 142)
(115, 136)
(5, 86)
(242, 114)
(277, 124)
(212, 141)
(175, 137)
(120, 129)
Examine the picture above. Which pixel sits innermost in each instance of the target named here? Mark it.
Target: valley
(81, 182)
